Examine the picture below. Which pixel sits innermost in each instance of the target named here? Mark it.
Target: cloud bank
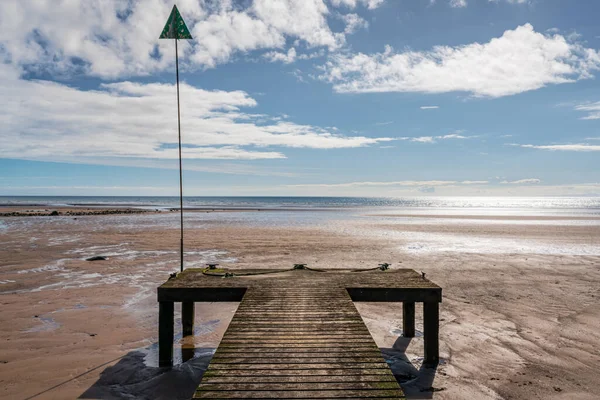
(47, 120)
(519, 61)
(112, 39)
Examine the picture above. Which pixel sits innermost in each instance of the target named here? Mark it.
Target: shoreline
(66, 211)
(41, 210)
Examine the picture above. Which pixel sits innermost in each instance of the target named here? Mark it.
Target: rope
(211, 271)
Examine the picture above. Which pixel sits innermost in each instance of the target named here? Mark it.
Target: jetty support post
(408, 319)
(165, 333)
(431, 329)
(187, 317)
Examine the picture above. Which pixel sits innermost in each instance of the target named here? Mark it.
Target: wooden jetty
(296, 333)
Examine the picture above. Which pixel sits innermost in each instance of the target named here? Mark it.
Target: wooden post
(187, 317)
(165, 333)
(431, 328)
(408, 319)
(187, 353)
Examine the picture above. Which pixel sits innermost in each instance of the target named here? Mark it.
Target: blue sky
(310, 97)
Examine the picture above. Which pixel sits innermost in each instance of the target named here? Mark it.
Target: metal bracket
(384, 266)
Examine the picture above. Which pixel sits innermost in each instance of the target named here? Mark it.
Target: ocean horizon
(587, 203)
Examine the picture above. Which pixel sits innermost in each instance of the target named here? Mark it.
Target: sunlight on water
(316, 202)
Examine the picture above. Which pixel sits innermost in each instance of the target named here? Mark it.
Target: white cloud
(561, 147)
(592, 110)
(512, 1)
(433, 139)
(429, 107)
(291, 56)
(393, 183)
(305, 19)
(353, 23)
(458, 3)
(116, 38)
(370, 4)
(285, 58)
(518, 61)
(454, 136)
(421, 139)
(47, 120)
(529, 181)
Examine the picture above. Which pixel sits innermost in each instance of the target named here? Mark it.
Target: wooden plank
(301, 358)
(348, 373)
(281, 344)
(357, 385)
(298, 352)
(302, 366)
(297, 394)
(299, 378)
(305, 361)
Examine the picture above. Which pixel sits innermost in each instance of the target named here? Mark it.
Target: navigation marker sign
(175, 28)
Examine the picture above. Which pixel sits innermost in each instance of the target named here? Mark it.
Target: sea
(363, 216)
(585, 206)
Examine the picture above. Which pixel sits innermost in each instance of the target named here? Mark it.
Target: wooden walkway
(293, 343)
(296, 333)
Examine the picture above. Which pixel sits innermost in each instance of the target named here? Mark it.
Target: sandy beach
(520, 315)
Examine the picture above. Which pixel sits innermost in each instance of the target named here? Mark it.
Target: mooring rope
(211, 270)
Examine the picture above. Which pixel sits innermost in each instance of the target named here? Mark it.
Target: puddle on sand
(57, 265)
(419, 360)
(182, 354)
(400, 332)
(48, 324)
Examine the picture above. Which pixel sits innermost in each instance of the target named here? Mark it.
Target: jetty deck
(296, 333)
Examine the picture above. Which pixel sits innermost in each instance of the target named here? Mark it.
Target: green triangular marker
(175, 27)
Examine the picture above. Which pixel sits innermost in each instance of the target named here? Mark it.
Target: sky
(301, 97)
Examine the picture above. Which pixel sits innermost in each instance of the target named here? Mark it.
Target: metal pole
(180, 169)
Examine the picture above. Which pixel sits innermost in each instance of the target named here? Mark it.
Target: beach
(519, 317)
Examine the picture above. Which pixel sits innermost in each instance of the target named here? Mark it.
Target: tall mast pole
(180, 169)
(175, 28)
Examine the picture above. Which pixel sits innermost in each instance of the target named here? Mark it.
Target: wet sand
(515, 324)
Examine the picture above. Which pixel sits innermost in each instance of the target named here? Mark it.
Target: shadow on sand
(416, 383)
(136, 376)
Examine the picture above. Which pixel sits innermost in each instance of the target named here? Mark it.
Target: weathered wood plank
(348, 373)
(357, 385)
(297, 394)
(290, 356)
(299, 378)
(303, 361)
(298, 352)
(296, 366)
(282, 344)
